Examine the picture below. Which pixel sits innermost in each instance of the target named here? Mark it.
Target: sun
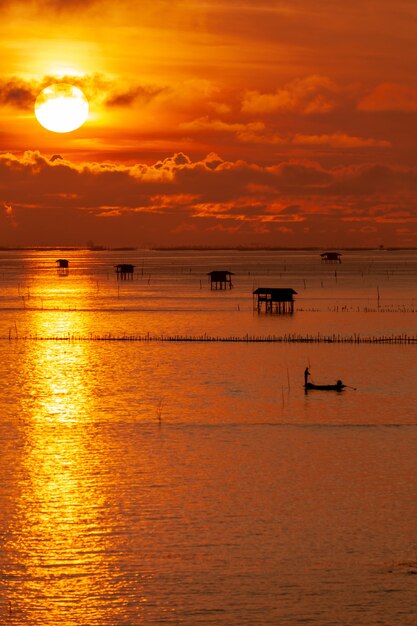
(61, 108)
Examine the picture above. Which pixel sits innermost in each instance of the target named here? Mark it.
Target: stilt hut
(331, 257)
(275, 300)
(62, 266)
(220, 279)
(124, 271)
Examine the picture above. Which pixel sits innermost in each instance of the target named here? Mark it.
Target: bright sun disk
(61, 108)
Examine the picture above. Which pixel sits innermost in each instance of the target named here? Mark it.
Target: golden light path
(60, 502)
(61, 108)
(62, 525)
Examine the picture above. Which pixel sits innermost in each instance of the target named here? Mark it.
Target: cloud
(50, 5)
(256, 132)
(179, 180)
(18, 93)
(179, 194)
(205, 124)
(339, 140)
(21, 93)
(129, 96)
(390, 97)
(311, 95)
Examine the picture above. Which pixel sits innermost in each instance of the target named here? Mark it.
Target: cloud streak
(390, 97)
(311, 95)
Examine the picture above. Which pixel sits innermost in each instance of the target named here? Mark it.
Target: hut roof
(278, 294)
(220, 273)
(334, 255)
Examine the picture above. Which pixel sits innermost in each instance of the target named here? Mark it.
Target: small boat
(339, 386)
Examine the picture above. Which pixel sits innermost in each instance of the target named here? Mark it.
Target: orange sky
(212, 122)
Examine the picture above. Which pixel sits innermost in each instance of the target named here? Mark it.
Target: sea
(162, 463)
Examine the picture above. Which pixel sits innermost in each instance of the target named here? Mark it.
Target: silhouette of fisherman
(306, 375)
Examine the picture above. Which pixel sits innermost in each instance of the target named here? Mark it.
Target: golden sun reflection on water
(61, 531)
(57, 385)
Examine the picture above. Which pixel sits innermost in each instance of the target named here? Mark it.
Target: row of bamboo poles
(288, 338)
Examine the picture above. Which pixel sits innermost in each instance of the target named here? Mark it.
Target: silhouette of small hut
(274, 300)
(62, 267)
(220, 279)
(331, 257)
(124, 271)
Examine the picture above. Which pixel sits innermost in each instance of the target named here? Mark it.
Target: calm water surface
(196, 483)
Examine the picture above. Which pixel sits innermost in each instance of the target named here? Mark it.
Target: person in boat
(306, 375)
(339, 384)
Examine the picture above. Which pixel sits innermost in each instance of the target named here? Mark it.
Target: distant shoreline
(65, 248)
(203, 248)
(282, 248)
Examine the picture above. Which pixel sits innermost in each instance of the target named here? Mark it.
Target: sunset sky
(212, 122)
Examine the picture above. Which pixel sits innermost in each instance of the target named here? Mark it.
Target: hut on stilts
(220, 279)
(331, 257)
(274, 300)
(62, 267)
(124, 271)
